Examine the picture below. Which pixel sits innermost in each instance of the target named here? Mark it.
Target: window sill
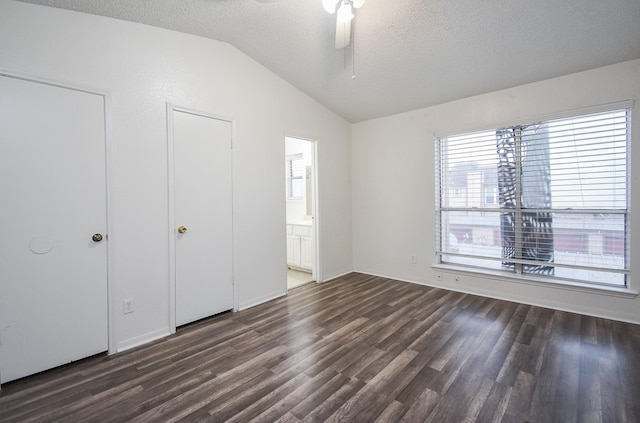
(539, 281)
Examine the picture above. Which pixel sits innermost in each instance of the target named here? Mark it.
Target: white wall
(394, 195)
(142, 68)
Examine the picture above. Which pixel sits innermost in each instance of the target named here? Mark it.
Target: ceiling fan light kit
(343, 18)
(330, 5)
(345, 13)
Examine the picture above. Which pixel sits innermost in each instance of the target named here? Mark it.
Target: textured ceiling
(408, 53)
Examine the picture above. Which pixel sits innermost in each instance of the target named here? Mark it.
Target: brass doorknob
(96, 237)
(182, 229)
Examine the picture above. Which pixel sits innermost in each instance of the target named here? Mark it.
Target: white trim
(42, 80)
(171, 194)
(171, 206)
(340, 274)
(257, 302)
(596, 120)
(109, 166)
(532, 210)
(316, 270)
(491, 294)
(297, 156)
(629, 279)
(234, 215)
(601, 108)
(524, 261)
(317, 267)
(540, 281)
(136, 341)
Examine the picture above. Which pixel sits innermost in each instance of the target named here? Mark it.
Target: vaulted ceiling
(406, 54)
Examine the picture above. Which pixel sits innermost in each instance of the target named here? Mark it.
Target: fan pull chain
(353, 51)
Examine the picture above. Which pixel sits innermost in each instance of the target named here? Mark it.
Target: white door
(293, 250)
(306, 251)
(203, 216)
(53, 275)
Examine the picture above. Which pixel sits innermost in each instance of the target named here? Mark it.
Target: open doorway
(300, 195)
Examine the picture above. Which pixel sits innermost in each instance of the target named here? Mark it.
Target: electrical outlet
(127, 306)
(413, 258)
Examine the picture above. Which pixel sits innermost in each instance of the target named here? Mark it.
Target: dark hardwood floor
(356, 349)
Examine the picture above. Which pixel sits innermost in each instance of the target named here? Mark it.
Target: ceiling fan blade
(343, 33)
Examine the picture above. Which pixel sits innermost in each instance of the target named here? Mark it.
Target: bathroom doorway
(301, 224)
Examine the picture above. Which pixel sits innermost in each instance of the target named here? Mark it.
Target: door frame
(109, 154)
(171, 108)
(317, 256)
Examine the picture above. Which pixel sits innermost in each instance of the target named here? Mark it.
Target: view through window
(547, 198)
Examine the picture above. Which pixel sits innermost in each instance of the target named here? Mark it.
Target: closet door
(53, 253)
(203, 216)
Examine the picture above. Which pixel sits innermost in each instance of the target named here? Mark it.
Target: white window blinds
(295, 177)
(547, 198)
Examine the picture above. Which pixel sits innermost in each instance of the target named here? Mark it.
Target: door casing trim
(317, 267)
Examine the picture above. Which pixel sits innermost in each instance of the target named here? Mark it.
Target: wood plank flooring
(356, 349)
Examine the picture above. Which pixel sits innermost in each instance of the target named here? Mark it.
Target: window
(295, 177)
(546, 198)
(491, 195)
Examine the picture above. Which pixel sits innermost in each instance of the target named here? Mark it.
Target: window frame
(516, 273)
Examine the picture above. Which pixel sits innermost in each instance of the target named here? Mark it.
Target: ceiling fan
(343, 18)
(344, 9)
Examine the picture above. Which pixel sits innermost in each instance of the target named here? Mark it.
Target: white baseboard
(258, 301)
(571, 308)
(127, 344)
(339, 274)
